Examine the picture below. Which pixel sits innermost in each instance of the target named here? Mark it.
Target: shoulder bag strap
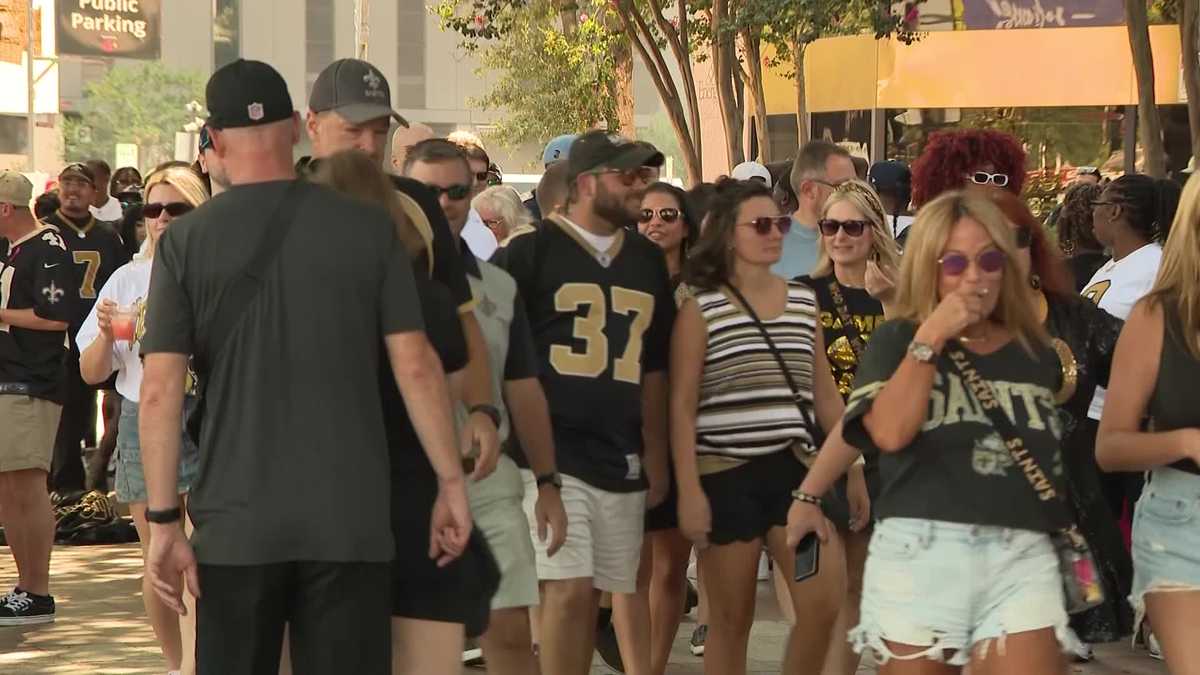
(1038, 479)
(848, 326)
(810, 424)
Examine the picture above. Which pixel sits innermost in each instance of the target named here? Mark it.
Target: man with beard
(96, 251)
(600, 303)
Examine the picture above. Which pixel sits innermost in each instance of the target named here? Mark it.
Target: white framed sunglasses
(985, 178)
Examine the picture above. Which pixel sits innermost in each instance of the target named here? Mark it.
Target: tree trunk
(1189, 44)
(568, 15)
(724, 60)
(752, 46)
(801, 105)
(623, 62)
(1149, 123)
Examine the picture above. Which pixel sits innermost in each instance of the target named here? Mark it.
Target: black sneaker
(607, 647)
(698, 637)
(472, 653)
(19, 608)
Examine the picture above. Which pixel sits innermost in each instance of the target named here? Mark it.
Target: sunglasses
(481, 176)
(667, 215)
(173, 209)
(764, 224)
(852, 228)
(646, 174)
(454, 192)
(985, 178)
(206, 142)
(955, 264)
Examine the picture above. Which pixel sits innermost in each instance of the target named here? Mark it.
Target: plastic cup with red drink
(124, 323)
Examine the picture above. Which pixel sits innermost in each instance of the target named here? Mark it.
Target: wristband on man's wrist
(802, 496)
(488, 409)
(164, 516)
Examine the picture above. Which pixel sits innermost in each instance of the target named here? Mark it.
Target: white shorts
(604, 535)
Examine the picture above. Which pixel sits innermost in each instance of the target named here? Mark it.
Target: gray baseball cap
(354, 89)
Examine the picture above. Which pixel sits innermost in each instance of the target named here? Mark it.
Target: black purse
(1081, 579)
(806, 412)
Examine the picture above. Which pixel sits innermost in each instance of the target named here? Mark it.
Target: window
(319, 45)
(227, 32)
(13, 132)
(409, 89)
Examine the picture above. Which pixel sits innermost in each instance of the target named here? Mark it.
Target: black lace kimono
(1089, 334)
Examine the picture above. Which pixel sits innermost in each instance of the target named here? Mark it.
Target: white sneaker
(1152, 647)
(764, 568)
(1083, 653)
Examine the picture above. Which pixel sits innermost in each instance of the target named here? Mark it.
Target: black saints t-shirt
(865, 314)
(957, 468)
(35, 273)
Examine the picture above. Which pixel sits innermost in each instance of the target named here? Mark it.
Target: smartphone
(808, 555)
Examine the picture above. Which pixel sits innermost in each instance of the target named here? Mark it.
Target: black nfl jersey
(96, 251)
(35, 273)
(600, 319)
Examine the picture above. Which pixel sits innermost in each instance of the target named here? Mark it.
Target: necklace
(965, 339)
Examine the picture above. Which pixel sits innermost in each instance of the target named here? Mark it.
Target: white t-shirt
(479, 238)
(900, 223)
(1116, 287)
(600, 242)
(111, 211)
(129, 285)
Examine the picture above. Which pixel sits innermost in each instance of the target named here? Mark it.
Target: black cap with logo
(354, 89)
(600, 150)
(246, 94)
(77, 170)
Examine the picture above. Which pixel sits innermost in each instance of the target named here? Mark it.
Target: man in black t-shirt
(35, 279)
(95, 251)
(291, 510)
(600, 304)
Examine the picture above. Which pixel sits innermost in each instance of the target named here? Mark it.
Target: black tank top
(1173, 405)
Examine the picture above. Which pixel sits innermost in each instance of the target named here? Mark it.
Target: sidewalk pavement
(101, 627)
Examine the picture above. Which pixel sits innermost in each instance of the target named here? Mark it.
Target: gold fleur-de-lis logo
(53, 293)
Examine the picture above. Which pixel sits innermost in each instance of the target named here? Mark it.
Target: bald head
(253, 154)
(406, 137)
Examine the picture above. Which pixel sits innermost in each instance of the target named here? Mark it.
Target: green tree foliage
(549, 81)
(144, 105)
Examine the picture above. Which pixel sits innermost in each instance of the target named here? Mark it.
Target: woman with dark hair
(748, 389)
(1131, 219)
(646, 622)
(1084, 338)
(968, 158)
(1085, 254)
(126, 185)
(699, 200)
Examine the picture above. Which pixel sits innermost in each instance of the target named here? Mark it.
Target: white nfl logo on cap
(255, 111)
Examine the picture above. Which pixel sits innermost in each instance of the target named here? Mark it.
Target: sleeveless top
(1173, 403)
(746, 408)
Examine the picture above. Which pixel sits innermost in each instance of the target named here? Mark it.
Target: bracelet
(802, 496)
(488, 410)
(165, 516)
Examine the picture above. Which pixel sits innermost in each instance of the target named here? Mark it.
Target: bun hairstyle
(710, 263)
(1149, 204)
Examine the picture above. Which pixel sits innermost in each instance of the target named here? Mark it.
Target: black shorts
(665, 516)
(336, 613)
(460, 592)
(748, 500)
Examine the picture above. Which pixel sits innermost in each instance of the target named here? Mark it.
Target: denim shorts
(1166, 536)
(953, 587)
(131, 478)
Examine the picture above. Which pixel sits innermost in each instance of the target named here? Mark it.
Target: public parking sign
(126, 28)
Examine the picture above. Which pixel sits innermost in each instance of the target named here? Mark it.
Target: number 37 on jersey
(594, 335)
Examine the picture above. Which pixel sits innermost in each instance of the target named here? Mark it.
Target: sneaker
(607, 647)
(764, 567)
(472, 653)
(698, 637)
(1152, 647)
(1082, 653)
(19, 608)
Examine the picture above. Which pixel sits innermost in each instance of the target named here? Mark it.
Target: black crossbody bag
(1080, 577)
(806, 413)
(241, 292)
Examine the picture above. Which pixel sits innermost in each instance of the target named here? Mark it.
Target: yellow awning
(1040, 67)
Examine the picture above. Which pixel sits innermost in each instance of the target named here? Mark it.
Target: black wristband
(552, 478)
(165, 516)
(487, 409)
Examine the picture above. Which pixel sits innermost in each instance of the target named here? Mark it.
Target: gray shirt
(293, 460)
(800, 247)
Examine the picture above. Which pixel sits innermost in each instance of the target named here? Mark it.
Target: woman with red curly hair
(968, 158)
(1085, 338)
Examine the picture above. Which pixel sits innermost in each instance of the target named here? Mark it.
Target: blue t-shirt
(799, 251)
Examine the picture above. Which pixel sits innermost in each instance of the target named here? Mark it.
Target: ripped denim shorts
(954, 587)
(1166, 536)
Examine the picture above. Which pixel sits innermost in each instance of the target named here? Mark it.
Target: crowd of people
(374, 421)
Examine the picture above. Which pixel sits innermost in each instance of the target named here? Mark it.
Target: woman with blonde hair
(857, 258)
(956, 397)
(170, 193)
(501, 209)
(1156, 367)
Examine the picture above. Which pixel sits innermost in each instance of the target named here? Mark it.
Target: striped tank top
(746, 408)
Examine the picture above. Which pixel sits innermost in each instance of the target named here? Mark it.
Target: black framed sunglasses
(173, 209)
(852, 228)
(648, 174)
(206, 142)
(481, 176)
(667, 215)
(764, 224)
(985, 178)
(454, 192)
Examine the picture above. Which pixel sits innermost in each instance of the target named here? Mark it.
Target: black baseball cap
(77, 170)
(599, 150)
(890, 176)
(354, 89)
(247, 94)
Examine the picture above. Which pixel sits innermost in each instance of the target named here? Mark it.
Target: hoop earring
(1035, 281)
